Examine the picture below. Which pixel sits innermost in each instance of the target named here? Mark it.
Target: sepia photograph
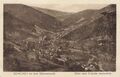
(59, 37)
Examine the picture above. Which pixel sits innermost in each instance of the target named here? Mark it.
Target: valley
(37, 39)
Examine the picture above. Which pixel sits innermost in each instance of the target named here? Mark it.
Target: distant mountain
(101, 22)
(57, 14)
(32, 16)
(79, 17)
(85, 15)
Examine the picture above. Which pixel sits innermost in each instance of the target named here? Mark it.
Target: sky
(70, 7)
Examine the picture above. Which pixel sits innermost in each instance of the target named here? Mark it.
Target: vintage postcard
(59, 38)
